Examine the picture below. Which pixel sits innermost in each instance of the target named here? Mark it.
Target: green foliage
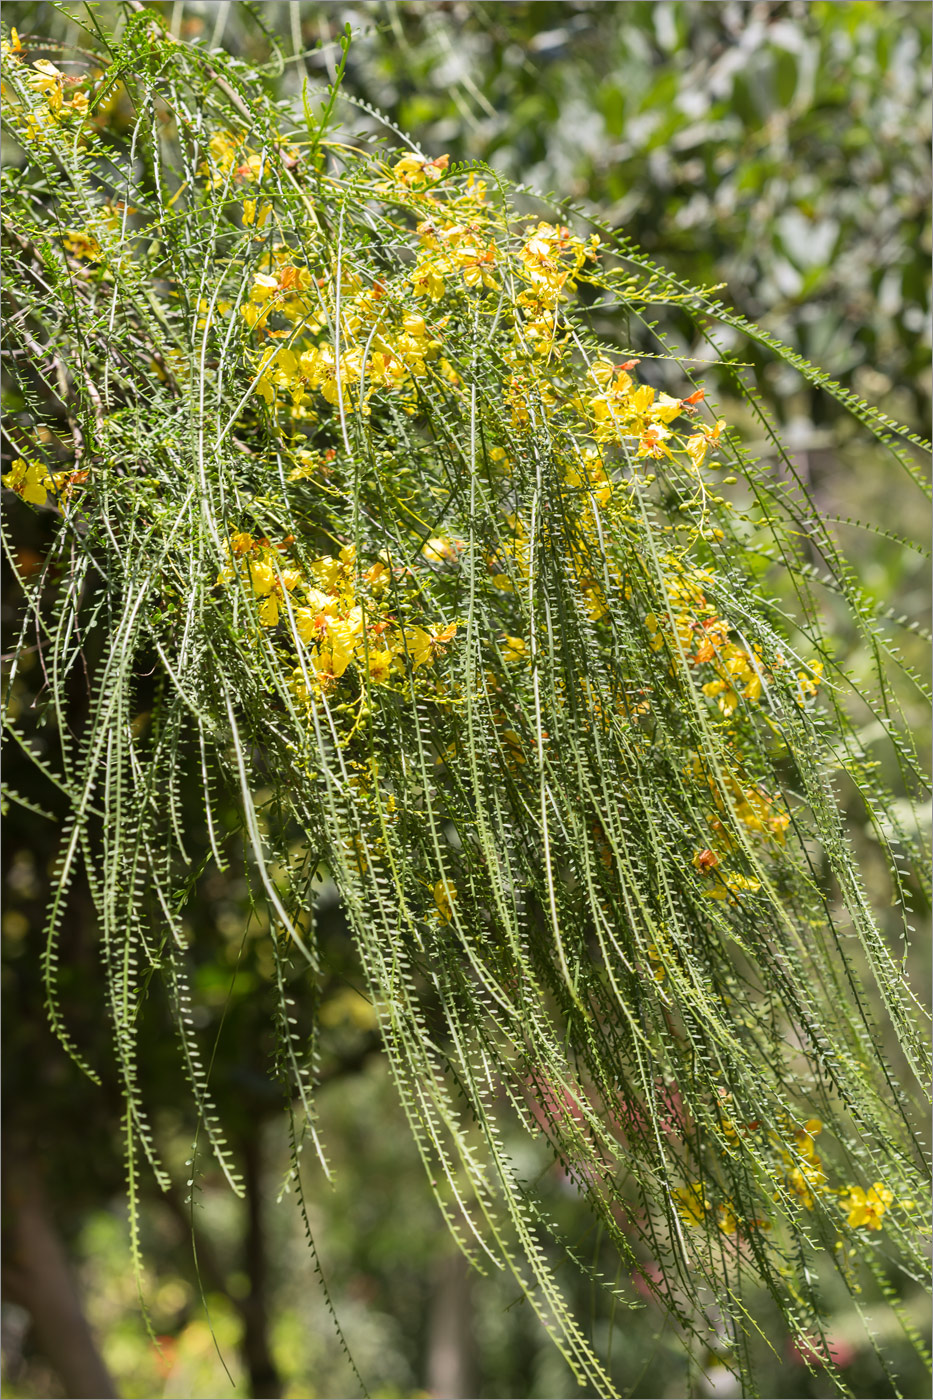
(783, 148)
(371, 565)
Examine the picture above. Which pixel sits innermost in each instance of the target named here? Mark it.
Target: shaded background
(781, 149)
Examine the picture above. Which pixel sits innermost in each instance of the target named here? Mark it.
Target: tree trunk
(37, 1276)
(263, 1373)
(450, 1332)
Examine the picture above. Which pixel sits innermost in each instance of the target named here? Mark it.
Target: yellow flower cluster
(49, 83)
(693, 1207)
(414, 171)
(622, 409)
(385, 347)
(453, 249)
(228, 156)
(333, 616)
(752, 806)
(323, 335)
(692, 1203)
(456, 243)
(256, 214)
(806, 1176)
(84, 243)
(757, 811)
(281, 286)
(33, 482)
(589, 474)
(809, 681)
(866, 1209)
(550, 261)
(384, 340)
(704, 639)
(731, 884)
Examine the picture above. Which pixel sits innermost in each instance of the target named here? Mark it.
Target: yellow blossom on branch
(691, 1203)
(866, 1209)
(445, 892)
(30, 480)
(48, 80)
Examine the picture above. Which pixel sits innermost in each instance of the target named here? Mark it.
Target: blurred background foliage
(780, 149)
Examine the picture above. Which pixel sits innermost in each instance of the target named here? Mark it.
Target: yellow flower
(726, 697)
(308, 625)
(48, 80)
(658, 971)
(424, 647)
(691, 1203)
(601, 372)
(263, 287)
(269, 611)
(379, 666)
(417, 643)
(445, 892)
(655, 639)
(803, 1181)
(262, 578)
(698, 445)
(641, 399)
(30, 480)
(12, 48)
(728, 886)
(429, 277)
(473, 265)
(378, 577)
(652, 442)
(866, 1208)
(341, 643)
(63, 483)
(664, 409)
(809, 681)
(81, 244)
(414, 169)
(805, 1135)
(806, 1176)
(329, 573)
(254, 215)
(752, 690)
(440, 550)
(265, 582)
(728, 1221)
